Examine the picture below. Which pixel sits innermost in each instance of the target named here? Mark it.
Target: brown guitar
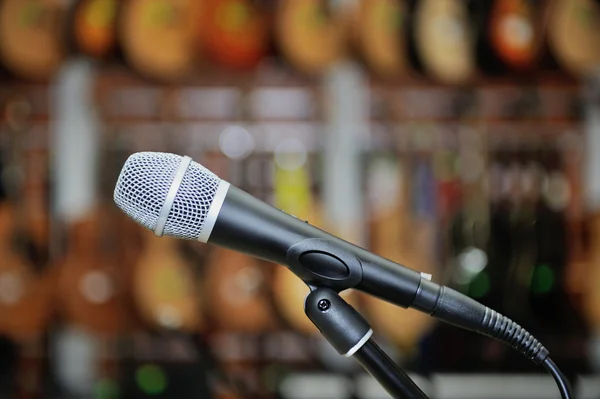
(25, 304)
(235, 33)
(165, 287)
(573, 35)
(31, 37)
(94, 27)
(90, 284)
(379, 35)
(310, 34)
(237, 285)
(26, 284)
(91, 287)
(158, 37)
(443, 44)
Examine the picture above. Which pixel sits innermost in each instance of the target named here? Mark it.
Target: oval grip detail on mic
(321, 263)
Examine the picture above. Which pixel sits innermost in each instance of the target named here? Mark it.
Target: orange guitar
(235, 33)
(516, 32)
(31, 42)
(94, 27)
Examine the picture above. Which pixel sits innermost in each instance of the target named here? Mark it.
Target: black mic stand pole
(350, 334)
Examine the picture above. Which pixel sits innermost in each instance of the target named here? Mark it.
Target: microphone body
(247, 224)
(172, 195)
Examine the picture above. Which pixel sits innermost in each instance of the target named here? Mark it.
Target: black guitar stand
(351, 335)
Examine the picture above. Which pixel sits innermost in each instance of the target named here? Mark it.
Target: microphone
(173, 195)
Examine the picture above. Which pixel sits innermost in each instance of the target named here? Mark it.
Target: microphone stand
(350, 334)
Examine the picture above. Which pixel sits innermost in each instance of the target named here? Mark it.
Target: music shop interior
(457, 138)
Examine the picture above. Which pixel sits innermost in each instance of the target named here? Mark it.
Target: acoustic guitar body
(235, 33)
(158, 36)
(379, 33)
(90, 284)
(26, 302)
(165, 287)
(94, 27)
(310, 35)
(31, 37)
(573, 35)
(236, 286)
(510, 35)
(515, 32)
(442, 44)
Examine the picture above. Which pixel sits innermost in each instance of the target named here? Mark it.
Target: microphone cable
(561, 381)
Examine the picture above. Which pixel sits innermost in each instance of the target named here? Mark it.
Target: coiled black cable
(455, 308)
(505, 330)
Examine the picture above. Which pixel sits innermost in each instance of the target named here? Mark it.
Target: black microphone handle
(249, 225)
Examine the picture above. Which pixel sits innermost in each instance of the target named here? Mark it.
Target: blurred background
(458, 137)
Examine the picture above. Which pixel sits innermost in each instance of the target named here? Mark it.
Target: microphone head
(166, 193)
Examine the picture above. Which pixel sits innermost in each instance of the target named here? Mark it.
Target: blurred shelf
(438, 386)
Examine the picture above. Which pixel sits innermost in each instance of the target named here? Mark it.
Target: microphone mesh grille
(144, 183)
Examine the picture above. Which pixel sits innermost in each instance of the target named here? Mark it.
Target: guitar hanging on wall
(310, 34)
(378, 33)
(94, 28)
(158, 37)
(235, 33)
(442, 44)
(510, 35)
(573, 34)
(31, 37)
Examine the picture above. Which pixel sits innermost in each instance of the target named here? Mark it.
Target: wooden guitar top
(26, 302)
(310, 39)
(158, 37)
(31, 42)
(165, 287)
(90, 285)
